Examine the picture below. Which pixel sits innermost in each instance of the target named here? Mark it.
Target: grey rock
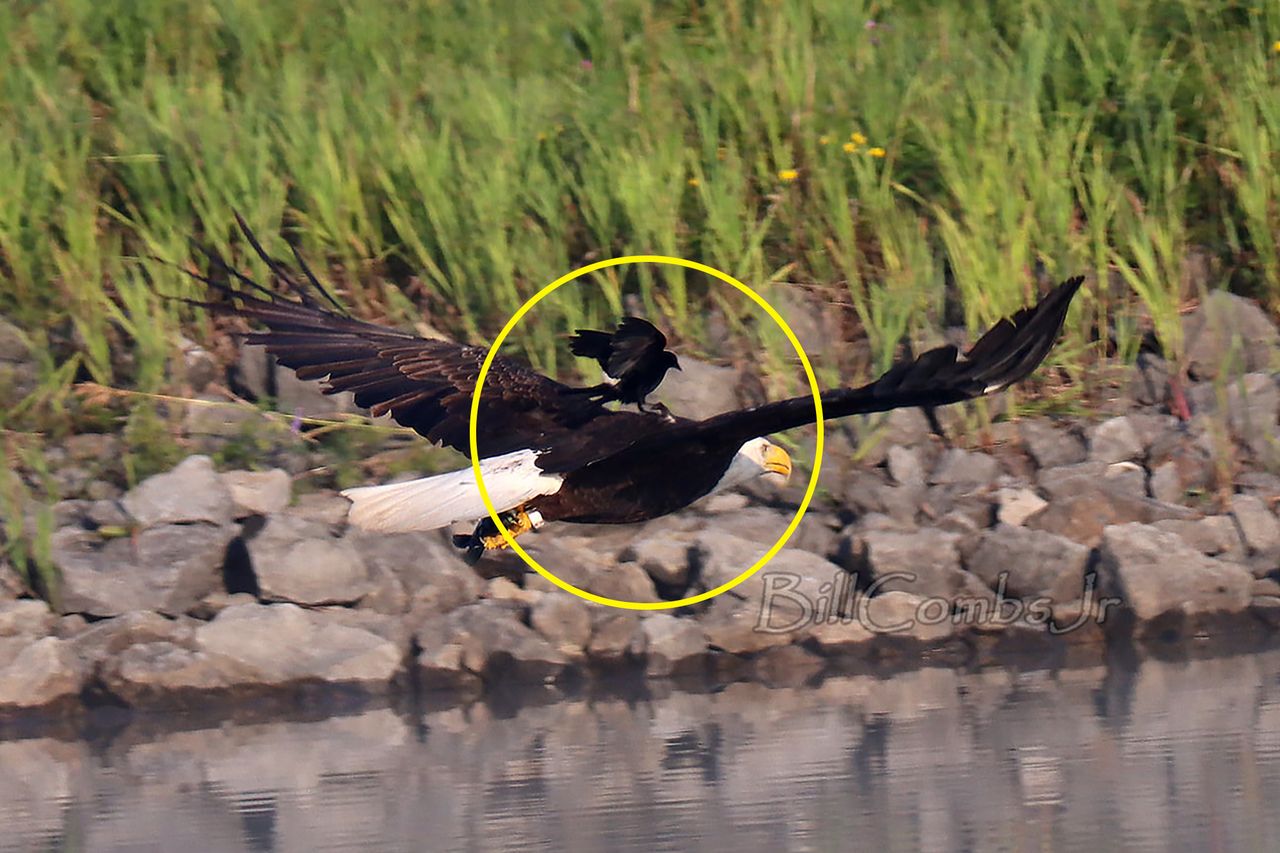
(1033, 563)
(402, 565)
(1155, 572)
(1258, 526)
(304, 397)
(167, 568)
(192, 491)
(1215, 536)
(1149, 381)
(926, 562)
(491, 642)
(906, 466)
(449, 590)
(959, 466)
(252, 371)
(1049, 446)
(279, 644)
(33, 674)
(1228, 334)
(590, 570)
(1262, 484)
(1251, 406)
(564, 620)
(616, 639)
(161, 671)
(320, 507)
(698, 389)
(665, 557)
(1091, 478)
(1014, 506)
(1083, 499)
(1114, 440)
(26, 618)
(108, 638)
(444, 667)
(300, 561)
(1165, 483)
(905, 615)
(674, 646)
(260, 492)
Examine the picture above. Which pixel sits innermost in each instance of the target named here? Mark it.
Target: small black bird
(634, 358)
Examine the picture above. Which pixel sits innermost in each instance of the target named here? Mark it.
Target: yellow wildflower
(849, 148)
(693, 182)
(788, 175)
(876, 152)
(824, 139)
(857, 138)
(1275, 46)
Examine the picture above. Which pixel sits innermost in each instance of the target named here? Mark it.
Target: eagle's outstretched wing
(423, 384)
(1005, 354)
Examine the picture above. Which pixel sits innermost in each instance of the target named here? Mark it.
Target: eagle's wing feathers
(422, 384)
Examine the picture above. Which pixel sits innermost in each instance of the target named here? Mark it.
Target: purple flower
(586, 65)
(295, 426)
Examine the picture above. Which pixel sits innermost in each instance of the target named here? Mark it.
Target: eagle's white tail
(441, 500)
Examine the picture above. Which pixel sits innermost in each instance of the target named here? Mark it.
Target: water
(1181, 755)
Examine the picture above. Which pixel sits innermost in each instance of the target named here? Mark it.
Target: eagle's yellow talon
(517, 522)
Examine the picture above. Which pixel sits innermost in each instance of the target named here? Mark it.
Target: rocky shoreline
(1061, 540)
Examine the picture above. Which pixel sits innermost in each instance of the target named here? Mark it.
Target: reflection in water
(1183, 753)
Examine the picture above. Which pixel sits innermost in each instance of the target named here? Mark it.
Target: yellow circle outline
(473, 440)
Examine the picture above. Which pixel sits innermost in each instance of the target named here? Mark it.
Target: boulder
(1228, 335)
(26, 618)
(699, 390)
(1215, 536)
(1114, 440)
(37, 673)
(301, 561)
(906, 466)
(674, 646)
(258, 492)
(280, 644)
(1258, 525)
(485, 639)
(665, 557)
(964, 467)
(616, 639)
(926, 562)
(564, 620)
(167, 568)
(1015, 506)
(191, 492)
(1032, 563)
(1050, 446)
(159, 672)
(1155, 572)
(110, 637)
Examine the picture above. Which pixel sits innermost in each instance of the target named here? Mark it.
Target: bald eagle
(551, 453)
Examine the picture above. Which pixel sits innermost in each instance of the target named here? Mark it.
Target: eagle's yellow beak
(776, 461)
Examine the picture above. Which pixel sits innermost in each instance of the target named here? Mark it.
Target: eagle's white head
(759, 457)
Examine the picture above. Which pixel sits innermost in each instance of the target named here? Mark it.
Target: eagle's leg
(487, 538)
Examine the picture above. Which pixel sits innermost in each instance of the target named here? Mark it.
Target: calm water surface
(1168, 756)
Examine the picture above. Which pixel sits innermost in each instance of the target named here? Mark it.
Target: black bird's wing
(635, 342)
(423, 384)
(622, 351)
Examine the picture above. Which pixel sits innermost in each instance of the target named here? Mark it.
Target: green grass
(444, 160)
